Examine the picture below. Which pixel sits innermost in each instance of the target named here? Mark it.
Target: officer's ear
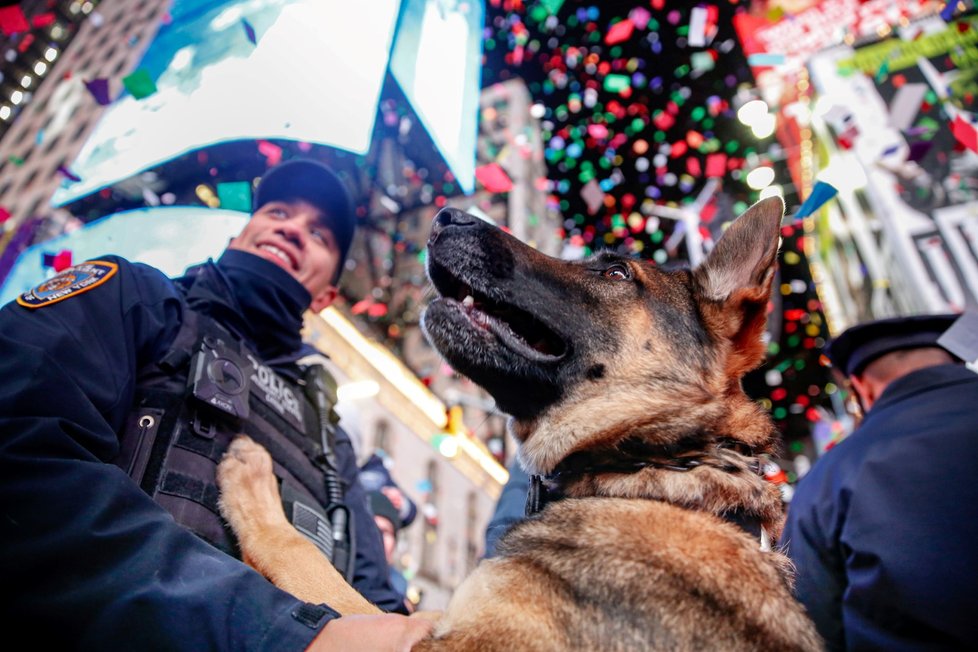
(324, 299)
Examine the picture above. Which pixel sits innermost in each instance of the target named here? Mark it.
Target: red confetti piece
(663, 121)
(25, 43)
(62, 260)
(619, 32)
(4, 215)
(494, 178)
(43, 20)
(271, 152)
(13, 21)
(965, 133)
(716, 165)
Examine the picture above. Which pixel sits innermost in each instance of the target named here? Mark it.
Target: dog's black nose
(451, 217)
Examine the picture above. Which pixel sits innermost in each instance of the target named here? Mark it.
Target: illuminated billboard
(155, 236)
(305, 70)
(437, 63)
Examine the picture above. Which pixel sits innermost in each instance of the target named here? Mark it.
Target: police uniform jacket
(884, 528)
(89, 561)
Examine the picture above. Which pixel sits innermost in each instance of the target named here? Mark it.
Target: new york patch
(71, 282)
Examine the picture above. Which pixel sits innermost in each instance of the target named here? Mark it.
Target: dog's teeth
(468, 301)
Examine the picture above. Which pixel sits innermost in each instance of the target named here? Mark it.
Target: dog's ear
(736, 280)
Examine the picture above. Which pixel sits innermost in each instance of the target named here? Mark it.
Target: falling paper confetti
(249, 31)
(235, 195)
(821, 193)
(99, 88)
(12, 20)
(493, 178)
(139, 84)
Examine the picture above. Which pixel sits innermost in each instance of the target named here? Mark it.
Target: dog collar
(542, 492)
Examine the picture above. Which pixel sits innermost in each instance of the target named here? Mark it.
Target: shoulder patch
(68, 283)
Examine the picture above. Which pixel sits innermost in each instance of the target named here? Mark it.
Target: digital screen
(155, 236)
(314, 74)
(437, 61)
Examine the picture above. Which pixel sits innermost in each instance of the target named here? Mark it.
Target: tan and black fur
(623, 382)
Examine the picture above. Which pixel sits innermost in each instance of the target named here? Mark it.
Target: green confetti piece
(616, 83)
(552, 6)
(235, 195)
(139, 84)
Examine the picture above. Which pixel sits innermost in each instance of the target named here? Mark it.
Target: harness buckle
(203, 426)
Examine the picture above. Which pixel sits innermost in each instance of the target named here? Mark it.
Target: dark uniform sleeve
(87, 560)
(510, 508)
(371, 573)
(811, 535)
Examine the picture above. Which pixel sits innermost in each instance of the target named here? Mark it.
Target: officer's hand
(387, 632)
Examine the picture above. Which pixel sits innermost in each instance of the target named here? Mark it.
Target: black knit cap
(317, 184)
(856, 347)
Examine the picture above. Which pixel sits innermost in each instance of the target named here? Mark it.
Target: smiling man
(120, 390)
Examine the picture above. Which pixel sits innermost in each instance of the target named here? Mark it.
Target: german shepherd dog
(623, 383)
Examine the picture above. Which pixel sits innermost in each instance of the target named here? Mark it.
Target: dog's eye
(619, 272)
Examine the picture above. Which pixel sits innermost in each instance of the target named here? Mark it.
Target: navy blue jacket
(87, 560)
(884, 528)
(510, 507)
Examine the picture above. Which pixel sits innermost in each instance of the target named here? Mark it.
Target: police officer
(120, 389)
(883, 530)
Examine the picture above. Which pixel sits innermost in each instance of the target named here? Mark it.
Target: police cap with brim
(315, 183)
(856, 347)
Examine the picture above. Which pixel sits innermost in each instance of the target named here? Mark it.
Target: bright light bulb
(16, 97)
(40, 68)
(773, 190)
(760, 178)
(752, 111)
(50, 54)
(764, 126)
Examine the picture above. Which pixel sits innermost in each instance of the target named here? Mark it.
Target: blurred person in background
(883, 530)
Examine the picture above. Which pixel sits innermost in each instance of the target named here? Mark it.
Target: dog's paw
(247, 483)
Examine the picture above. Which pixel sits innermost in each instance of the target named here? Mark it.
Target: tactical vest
(189, 406)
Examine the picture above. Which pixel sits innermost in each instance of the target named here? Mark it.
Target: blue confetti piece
(765, 59)
(821, 193)
(948, 11)
(249, 31)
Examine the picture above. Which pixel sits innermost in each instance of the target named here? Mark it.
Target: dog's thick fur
(623, 382)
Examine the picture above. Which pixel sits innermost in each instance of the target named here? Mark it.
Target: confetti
(965, 133)
(43, 20)
(821, 193)
(12, 20)
(697, 27)
(249, 31)
(139, 84)
(99, 89)
(620, 31)
(235, 195)
(68, 174)
(765, 59)
(906, 104)
(271, 152)
(493, 178)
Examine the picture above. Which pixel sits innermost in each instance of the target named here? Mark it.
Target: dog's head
(607, 354)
